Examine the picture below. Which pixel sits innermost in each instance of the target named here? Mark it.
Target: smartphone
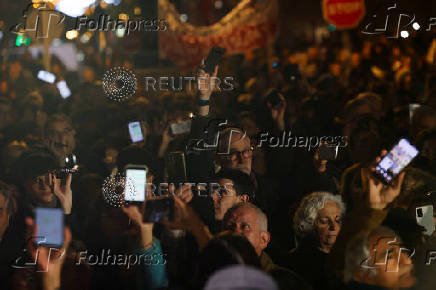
(175, 164)
(135, 184)
(274, 99)
(424, 218)
(135, 131)
(328, 152)
(214, 57)
(46, 76)
(412, 109)
(395, 161)
(63, 89)
(181, 128)
(50, 222)
(159, 209)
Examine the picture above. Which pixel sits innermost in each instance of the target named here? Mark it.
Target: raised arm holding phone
(370, 213)
(49, 262)
(149, 275)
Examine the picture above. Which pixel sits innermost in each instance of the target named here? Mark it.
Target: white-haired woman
(317, 223)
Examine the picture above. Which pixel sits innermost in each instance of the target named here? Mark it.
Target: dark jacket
(308, 262)
(285, 278)
(353, 285)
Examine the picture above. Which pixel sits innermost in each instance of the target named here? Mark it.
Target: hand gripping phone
(395, 161)
(135, 183)
(135, 131)
(214, 57)
(159, 209)
(176, 167)
(50, 223)
(424, 218)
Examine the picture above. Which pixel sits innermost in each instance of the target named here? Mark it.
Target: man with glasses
(60, 136)
(213, 148)
(234, 187)
(234, 150)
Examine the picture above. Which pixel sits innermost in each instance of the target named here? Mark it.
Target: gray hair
(262, 220)
(307, 212)
(357, 252)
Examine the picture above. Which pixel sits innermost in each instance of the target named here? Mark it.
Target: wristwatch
(203, 103)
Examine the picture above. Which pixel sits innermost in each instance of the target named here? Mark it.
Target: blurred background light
(73, 8)
(113, 2)
(183, 17)
(86, 37)
(120, 32)
(137, 10)
(71, 34)
(123, 16)
(218, 4)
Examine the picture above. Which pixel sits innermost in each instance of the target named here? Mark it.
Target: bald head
(248, 220)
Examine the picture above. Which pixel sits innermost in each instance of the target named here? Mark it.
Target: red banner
(343, 13)
(246, 27)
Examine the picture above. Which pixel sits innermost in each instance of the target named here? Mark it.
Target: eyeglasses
(247, 153)
(44, 179)
(222, 191)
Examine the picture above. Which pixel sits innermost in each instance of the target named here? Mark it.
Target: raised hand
(63, 192)
(380, 195)
(278, 114)
(49, 260)
(184, 192)
(206, 82)
(133, 213)
(145, 229)
(184, 217)
(320, 165)
(166, 140)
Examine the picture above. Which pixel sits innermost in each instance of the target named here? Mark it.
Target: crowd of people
(280, 216)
